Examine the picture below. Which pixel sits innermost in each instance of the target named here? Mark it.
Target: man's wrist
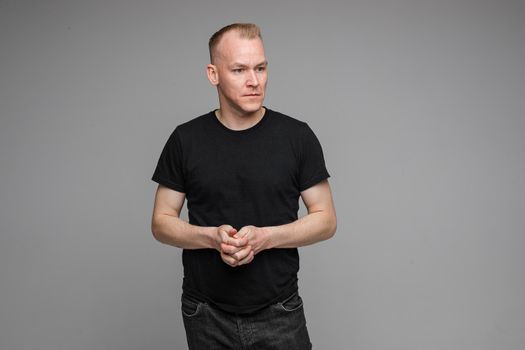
(268, 235)
(212, 234)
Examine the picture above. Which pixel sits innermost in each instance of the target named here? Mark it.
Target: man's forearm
(309, 229)
(174, 231)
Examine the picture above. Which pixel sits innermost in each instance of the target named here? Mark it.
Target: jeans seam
(197, 311)
(281, 304)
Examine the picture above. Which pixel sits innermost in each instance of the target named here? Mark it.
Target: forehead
(234, 48)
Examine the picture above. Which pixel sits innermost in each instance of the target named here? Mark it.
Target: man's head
(244, 30)
(238, 68)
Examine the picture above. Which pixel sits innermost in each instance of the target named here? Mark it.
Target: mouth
(252, 95)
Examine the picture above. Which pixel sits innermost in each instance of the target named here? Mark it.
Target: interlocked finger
(228, 259)
(230, 249)
(242, 254)
(247, 259)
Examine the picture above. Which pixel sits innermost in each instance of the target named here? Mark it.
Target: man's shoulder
(195, 123)
(190, 129)
(286, 120)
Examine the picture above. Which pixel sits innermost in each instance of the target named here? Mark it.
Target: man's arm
(319, 224)
(168, 228)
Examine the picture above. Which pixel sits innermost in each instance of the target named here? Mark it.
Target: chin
(249, 110)
(252, 107)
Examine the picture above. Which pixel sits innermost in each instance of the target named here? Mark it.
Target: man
(242, 169)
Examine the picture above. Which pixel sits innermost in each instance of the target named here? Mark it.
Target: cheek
(230, 89)
(235, 85)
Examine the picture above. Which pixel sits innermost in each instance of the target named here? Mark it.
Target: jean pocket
(292, 303)
(190, 307)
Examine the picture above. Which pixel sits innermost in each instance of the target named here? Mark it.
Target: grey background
(419, 106)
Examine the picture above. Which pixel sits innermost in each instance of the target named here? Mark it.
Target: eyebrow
(237, 64)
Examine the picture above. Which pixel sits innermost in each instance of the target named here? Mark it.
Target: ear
(213, 75)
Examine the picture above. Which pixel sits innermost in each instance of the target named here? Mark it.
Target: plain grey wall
(419, 106)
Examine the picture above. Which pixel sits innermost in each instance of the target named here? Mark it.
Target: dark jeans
(278, 326)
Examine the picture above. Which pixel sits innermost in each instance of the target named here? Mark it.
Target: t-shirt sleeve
(169, 171)
(312, 167)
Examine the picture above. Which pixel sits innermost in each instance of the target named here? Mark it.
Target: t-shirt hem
(314, 181)
(245, 309)
(167, 183)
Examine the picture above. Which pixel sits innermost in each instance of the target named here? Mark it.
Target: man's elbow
(331, 226)
(156, 228)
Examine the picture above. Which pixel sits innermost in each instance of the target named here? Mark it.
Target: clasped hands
(240, 247)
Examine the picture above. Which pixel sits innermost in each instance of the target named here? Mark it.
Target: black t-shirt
(247, 177)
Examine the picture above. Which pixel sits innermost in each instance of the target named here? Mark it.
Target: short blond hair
(245, 30)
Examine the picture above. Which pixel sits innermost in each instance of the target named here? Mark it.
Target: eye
(237, 70)
(260, 69)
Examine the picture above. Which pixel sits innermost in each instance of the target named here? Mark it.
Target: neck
(238, 122)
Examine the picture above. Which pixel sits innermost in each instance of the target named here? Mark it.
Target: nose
(252, 79)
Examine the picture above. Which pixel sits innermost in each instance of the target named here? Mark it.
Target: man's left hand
(257, 237)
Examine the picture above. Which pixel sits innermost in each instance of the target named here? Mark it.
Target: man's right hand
(234, 251)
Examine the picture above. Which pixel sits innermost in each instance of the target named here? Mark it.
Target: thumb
(243, 232)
